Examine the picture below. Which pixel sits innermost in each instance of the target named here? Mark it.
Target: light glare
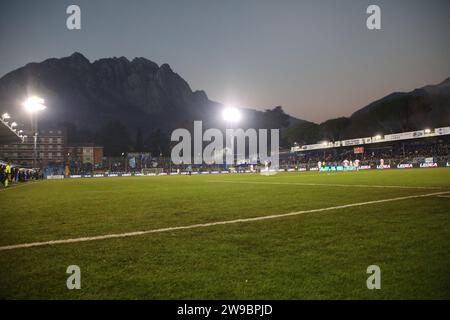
(231, 114)
(34, 104)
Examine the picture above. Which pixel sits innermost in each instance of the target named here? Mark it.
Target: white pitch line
(15, 186)
(203, 225)
(325, 184)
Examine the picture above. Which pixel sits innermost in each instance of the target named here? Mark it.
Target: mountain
(441, 89)
(146, 97)
(426, 107)
(137, 93)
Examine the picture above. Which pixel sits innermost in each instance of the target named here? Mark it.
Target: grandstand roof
(7, 135)
(377, 139)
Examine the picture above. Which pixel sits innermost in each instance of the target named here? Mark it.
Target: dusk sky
(317, 59)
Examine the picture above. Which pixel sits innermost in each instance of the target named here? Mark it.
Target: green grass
(310, 256)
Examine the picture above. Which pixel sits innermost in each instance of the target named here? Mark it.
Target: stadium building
(50, 147)
(422, 148)
(84, 157)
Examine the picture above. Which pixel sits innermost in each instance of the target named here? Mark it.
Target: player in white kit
(345, 163)
(356, 163)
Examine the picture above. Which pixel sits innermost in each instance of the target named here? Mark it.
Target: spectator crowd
(10, 174)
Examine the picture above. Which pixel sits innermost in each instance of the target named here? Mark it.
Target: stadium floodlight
(325, 143)
(231, 114)
(5, 116)
(427, 131)
(14, 124)
(378, 137)
(34, 104)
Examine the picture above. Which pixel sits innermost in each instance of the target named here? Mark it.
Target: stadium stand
(8, 133)
(425, 148)
(432, 151)
(9, 171)
(408, 149)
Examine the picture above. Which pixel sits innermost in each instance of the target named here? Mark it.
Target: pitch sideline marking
(325, 184)
(14, 186)
(203, 225)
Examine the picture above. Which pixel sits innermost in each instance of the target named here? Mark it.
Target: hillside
(137, 93)
(140, 95)
(426, 107)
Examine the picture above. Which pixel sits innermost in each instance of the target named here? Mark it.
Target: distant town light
(34, 104)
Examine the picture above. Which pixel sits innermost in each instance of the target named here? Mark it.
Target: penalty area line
(210, 224)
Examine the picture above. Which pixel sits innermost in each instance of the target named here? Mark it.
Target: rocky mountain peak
(78, 58)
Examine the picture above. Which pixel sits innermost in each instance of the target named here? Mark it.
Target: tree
(335, 129)
(114, 138)
(158, 143)
(275, 118)
(139, 143)
(303, 133)
(74, 135)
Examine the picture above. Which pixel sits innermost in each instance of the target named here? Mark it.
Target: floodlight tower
(231, 116)
(33, 105)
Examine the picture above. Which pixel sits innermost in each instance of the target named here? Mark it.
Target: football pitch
(305, 235)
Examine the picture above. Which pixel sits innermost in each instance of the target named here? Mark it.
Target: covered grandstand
(8, 131)
(423, 148)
